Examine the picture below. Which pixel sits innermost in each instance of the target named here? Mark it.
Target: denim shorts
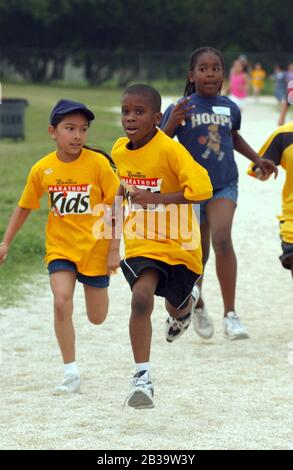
(228, 192)
(65, 265)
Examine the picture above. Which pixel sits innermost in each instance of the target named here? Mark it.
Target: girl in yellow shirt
(258, 76)
(76, 180)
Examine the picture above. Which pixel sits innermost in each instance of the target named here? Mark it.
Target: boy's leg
(142, 305)
(62, 285)
(97, 302)
(291, 265)
(142, 391)
(205, 246)
(179, 313)
(202, 322)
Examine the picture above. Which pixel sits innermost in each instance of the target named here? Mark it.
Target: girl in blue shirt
(207, 124)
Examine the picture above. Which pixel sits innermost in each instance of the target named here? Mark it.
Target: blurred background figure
(285, 103)
(238, 84)
(245, 63)
(280, 83)
(257, 79)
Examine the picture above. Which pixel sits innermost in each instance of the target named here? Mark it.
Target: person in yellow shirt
(279, 148)
(160, 181)
(76, 181)
(258, 76)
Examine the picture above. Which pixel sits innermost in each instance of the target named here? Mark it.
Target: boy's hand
(266, 168)
(3, 252)
(143, 197)
(113, 261)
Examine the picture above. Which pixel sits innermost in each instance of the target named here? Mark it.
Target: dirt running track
(209, 395)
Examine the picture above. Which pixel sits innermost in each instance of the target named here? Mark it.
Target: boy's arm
(267, 167)
(113, 261)
(17, 220)
(143, 198)
(284, 109)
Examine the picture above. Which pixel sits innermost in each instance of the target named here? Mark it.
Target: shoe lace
(141, 378)
(234, 322)
(69, 379)
(177, 324)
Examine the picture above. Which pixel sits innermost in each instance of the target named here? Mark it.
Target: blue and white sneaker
(141, 391)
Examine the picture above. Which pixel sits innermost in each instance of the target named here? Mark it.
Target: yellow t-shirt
(169, 234)
(257, 78)
(279, 149)
(75, 190)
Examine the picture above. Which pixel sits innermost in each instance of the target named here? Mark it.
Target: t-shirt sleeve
(193, 178)
(33, 191)
(109, 183)
(236, 118)
(272, 149)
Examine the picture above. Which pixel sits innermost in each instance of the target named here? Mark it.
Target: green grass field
(16, 158)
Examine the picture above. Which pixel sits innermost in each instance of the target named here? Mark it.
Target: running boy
(161, 180)
(75, 180)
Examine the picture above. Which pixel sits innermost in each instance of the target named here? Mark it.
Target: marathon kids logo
(130, 183)
(70, 199)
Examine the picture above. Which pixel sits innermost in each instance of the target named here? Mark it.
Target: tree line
(54, 29)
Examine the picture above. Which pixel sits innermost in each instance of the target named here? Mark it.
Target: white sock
(71, 369)
(142, 366)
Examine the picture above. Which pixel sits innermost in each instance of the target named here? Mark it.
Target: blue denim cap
(68, 106)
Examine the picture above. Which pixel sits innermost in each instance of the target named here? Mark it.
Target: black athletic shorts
(286, 255)
(176, 281)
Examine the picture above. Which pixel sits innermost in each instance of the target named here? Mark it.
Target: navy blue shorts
(66, 265)
(228, 192)
(176, 281)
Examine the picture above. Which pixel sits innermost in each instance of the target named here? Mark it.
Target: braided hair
(110, 160)
(190, 86)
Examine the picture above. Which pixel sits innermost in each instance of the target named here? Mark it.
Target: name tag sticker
(222, 110)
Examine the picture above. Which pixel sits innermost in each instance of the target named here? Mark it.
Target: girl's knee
(222, 244)
(97, 317)
(62, 305)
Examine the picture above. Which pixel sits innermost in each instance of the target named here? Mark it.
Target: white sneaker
(202, 323)
(141, 392)
(233, 328)
(70, 384)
